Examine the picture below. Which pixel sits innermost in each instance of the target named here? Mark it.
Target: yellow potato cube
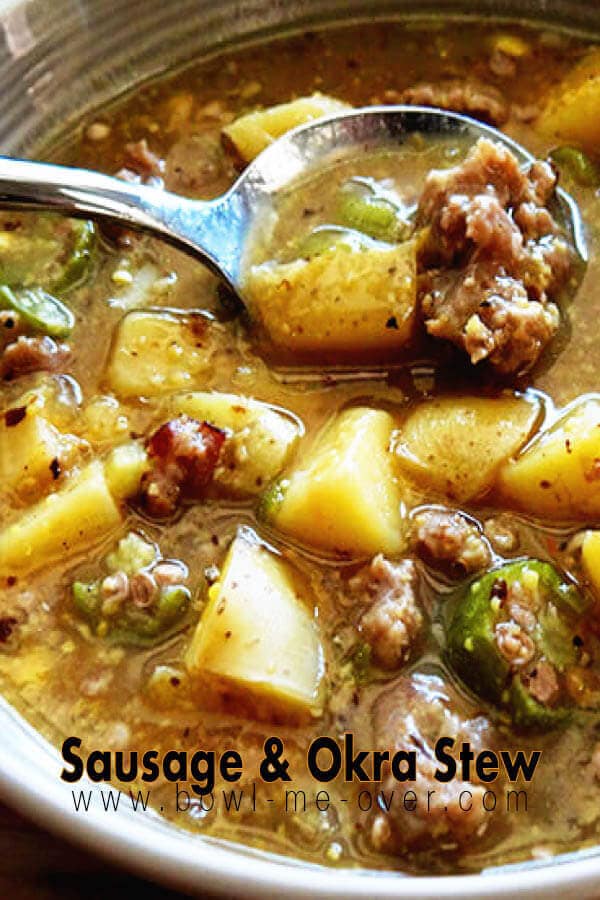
(572, 112)
(590, 559)
(124, 468)
(60, 525)
(159, 352)
(257, 646)
(33, 454)
(345, 497)
(455, 445)
(558, 476)
(341, 300)
(250, 134)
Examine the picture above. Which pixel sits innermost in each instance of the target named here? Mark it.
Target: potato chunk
(61, 524)
(558, 476)
(342, 300)
(124, 468)
(572, 112)
(159, 352)
(250, 134)
(33, 453)
(344, 498)
(257, 648)
(83, 511)
(260, 438)
(455, 445)
(590, 559)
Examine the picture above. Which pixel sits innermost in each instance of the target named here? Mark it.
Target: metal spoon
(216, 231)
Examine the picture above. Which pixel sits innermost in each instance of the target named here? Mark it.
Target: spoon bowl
(216, 231)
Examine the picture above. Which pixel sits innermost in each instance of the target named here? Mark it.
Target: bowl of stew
(358, 513)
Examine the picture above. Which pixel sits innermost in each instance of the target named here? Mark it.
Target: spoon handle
(209, 230)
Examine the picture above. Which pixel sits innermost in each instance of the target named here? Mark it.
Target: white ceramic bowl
(59, 59)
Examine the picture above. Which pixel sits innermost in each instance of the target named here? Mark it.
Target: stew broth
(71, 673)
